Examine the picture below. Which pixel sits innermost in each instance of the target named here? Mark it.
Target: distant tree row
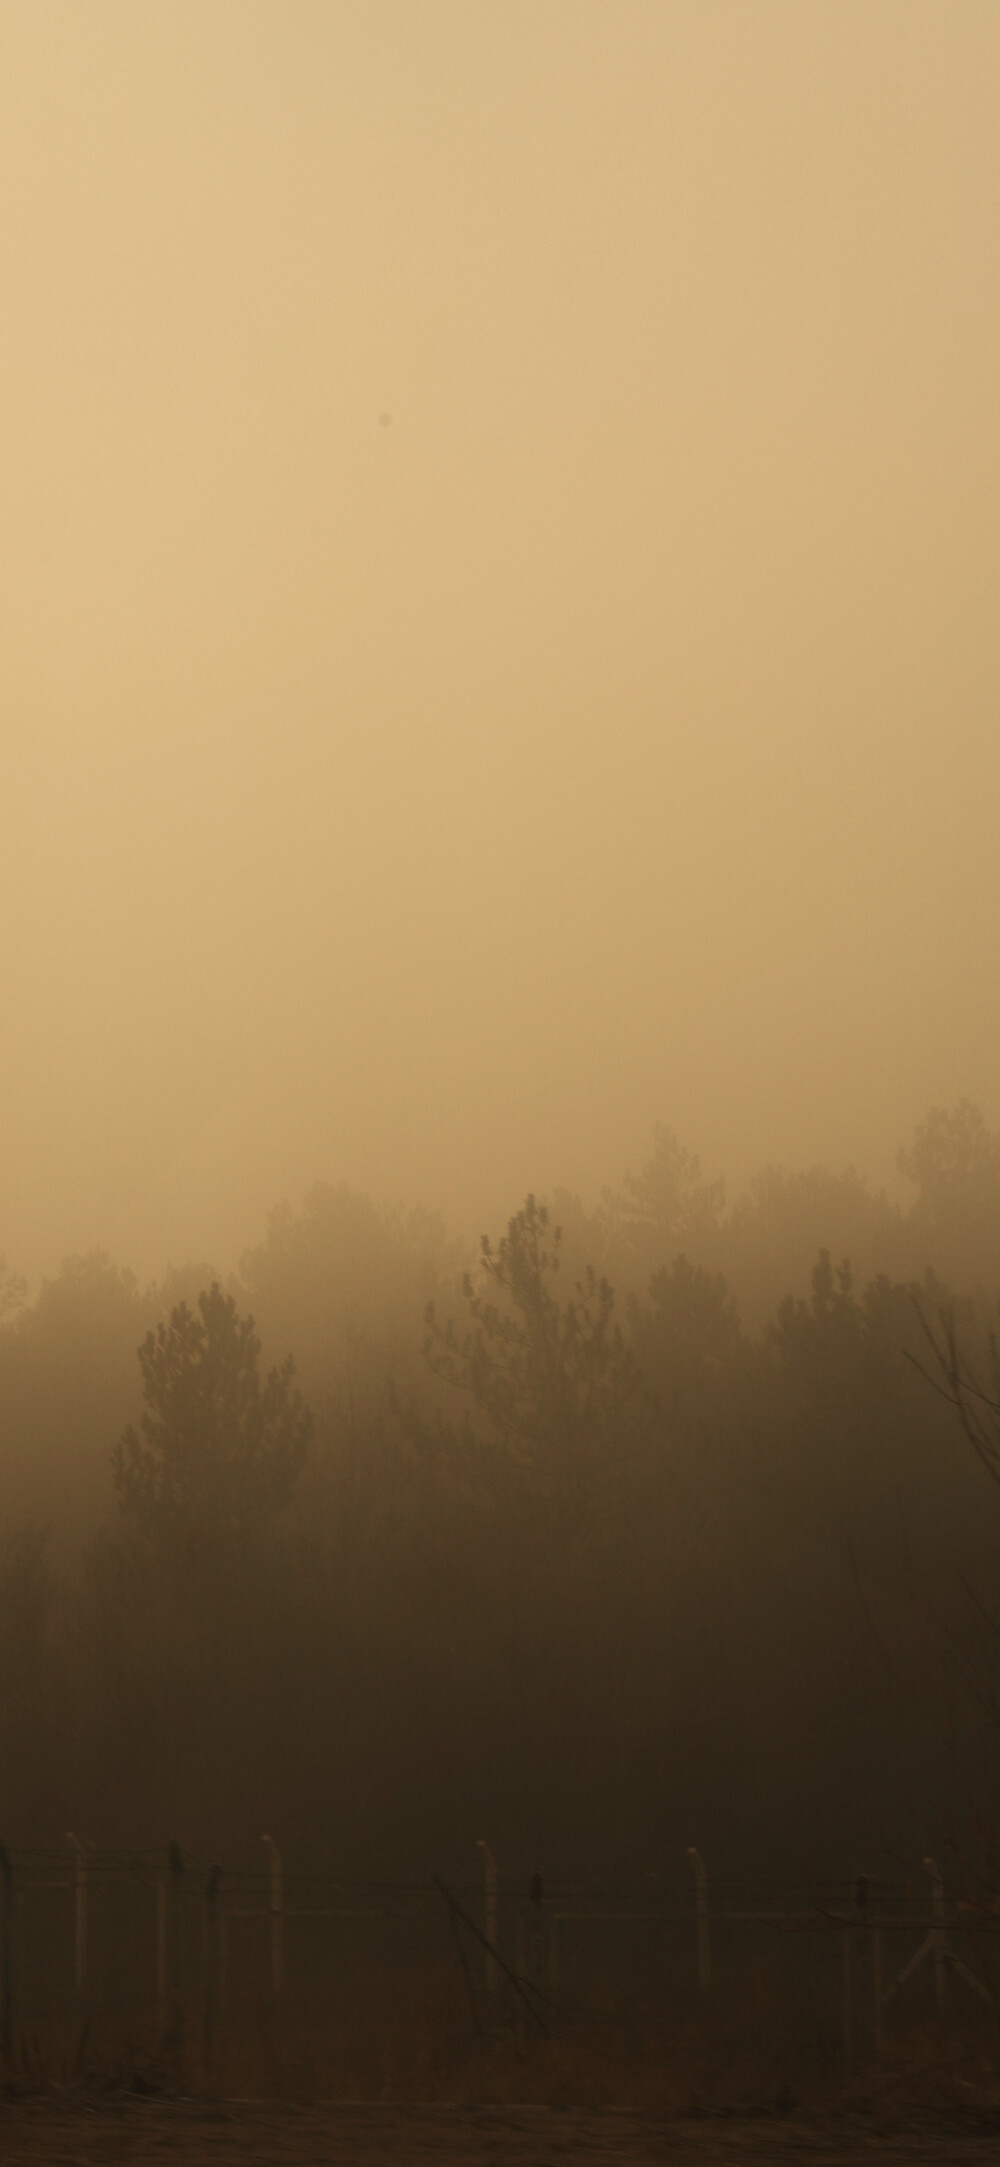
(554, 1544)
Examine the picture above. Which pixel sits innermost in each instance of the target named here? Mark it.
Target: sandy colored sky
(608, 736)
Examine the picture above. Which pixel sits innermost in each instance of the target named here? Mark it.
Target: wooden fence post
(6, 1954)
(877, 1986)
(520, 1967)
(211, 1964)
(489, 1914)
(537, 1918)
(276, 1907)
(939, 1946)
(79, 1918)
(161, 1956)
(869, 1947)
(704, 1941)
(848, 1990)
(223, 1959)
(173, 1941)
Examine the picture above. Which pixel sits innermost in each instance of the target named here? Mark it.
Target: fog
(645, 1526)
(499, 740)
(500, 644)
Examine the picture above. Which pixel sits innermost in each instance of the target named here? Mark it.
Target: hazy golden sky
(609, 736)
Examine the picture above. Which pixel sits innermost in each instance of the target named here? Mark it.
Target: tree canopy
(217, 1452)
(552, 1377)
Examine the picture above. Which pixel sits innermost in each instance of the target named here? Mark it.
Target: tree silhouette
(553, 1378)
(217, 1453)
(955, 1376)
(13, 1288)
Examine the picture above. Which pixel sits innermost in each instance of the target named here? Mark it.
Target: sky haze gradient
(500, 550)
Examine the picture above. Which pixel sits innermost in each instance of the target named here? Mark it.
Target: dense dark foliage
(645, 1530)
(217, 1453)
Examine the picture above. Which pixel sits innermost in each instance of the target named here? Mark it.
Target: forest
(649, 1525)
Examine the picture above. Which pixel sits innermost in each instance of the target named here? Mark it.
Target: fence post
(79, 1918)
(6, 1953)
(161, 1956)
(848, 2004)
(869, 1947)
(521, 1968)
(877, 1985)
(537, 1917)
(223, 1960)
(938, 1944)
(704, 1942)
(211, 1963)
(172, 1952)
(276, 1912)
(489, 1913)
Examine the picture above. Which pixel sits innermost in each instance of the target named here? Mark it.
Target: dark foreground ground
(130, 2133)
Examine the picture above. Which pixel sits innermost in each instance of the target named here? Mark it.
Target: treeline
(640, 1529)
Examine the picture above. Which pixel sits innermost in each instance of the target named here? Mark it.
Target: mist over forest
(640, 1528)
(500, 544)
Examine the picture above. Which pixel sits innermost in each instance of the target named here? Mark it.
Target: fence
(157, 1960)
